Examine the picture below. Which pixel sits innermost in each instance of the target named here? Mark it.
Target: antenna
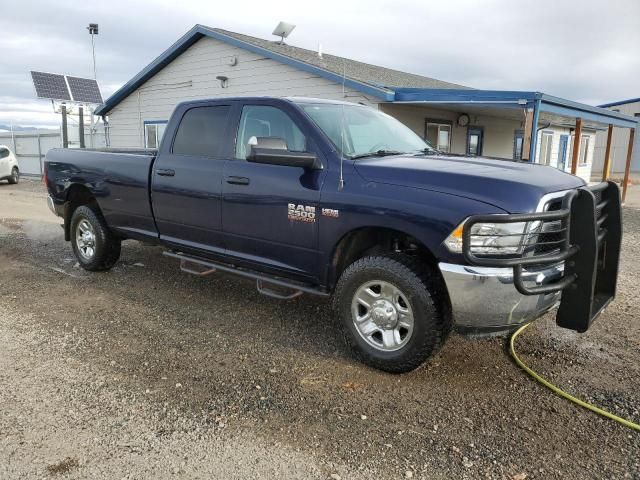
(283, 30)
(344, 77)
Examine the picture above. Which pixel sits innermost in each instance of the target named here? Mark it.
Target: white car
(8, 165)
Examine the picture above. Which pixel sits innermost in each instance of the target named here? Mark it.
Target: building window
(518, 144)
(583, 154)
(546, 144)
(636, 114)
(584, 150)
(438, 134)
(153, 132)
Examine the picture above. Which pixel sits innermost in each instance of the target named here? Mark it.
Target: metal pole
(93, 52)
(13, 139)
(65, 137)
(40, 154)
(81, 125)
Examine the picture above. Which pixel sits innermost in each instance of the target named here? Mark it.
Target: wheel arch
(76, 196)
(368, 240)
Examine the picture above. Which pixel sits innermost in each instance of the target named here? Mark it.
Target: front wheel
(94, 245)
(15, 176)
(391, 312)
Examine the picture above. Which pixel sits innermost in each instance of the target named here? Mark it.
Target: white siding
(192, 75)
(584, 170)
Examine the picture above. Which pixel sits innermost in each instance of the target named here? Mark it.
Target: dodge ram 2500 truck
(333, 198)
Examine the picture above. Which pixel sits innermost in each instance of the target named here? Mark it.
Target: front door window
(474, 141)
(438, 134)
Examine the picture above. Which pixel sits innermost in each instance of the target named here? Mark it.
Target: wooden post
(65, 137)
(576, 146)
(607, 155)
(528, 128)
(81, 125)
(627, 168)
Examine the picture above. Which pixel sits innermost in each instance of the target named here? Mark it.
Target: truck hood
(515, 187)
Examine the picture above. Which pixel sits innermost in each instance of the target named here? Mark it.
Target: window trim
(584, 152)
(546, 133)
(518, 133)
(438, 121)
(480, 143)
(153, 122)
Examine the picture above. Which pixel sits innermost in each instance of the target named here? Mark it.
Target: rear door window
(4, 152)
(202, 132)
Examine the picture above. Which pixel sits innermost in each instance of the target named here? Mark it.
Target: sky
(583, 50)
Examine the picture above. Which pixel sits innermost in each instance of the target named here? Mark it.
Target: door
(5, 163)
(187, 179)
(475, 141)
(269, 211)
(562, 152)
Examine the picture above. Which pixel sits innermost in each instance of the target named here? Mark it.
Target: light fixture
(224, 81)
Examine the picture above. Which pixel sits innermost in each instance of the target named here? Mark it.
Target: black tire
(106, 251)
(426, 297)
(15, 176)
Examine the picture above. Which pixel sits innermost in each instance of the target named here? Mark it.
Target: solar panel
(50, 85)
(84, 90)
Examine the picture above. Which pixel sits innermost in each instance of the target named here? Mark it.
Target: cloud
(581, 50)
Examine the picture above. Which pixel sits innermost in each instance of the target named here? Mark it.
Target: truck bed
(118, 178)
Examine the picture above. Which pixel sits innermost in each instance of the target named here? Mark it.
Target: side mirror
(274, 151)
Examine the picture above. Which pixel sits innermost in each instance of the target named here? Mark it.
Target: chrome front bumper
(485, 301)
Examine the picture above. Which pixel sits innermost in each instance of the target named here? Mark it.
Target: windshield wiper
(377, 153)
(428, 151)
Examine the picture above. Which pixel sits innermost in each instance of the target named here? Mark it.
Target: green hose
(558, 391)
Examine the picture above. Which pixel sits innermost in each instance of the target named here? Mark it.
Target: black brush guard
(586, 236)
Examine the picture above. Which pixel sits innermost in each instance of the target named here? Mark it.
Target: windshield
(365, 132)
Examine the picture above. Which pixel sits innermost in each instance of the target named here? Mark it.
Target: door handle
(165, 172)
(233, 180)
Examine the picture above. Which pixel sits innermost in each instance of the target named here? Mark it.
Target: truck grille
(583, 226)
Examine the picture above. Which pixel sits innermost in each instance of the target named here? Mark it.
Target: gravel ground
(144, 372)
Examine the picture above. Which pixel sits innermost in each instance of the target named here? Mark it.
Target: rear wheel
(94, 245)
(15, 176)
(391, 312)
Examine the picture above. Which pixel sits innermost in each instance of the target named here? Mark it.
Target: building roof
(380, 82)
(363, 72)
(620, 102)
(370, 79)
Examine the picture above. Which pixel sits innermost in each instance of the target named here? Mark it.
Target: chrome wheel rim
(382, 315)
(86, 239)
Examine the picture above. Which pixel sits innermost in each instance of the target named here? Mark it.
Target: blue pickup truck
(338, 199)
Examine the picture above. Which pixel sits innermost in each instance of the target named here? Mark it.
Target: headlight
(494, 238)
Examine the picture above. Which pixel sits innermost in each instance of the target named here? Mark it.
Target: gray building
(210, 62)
(620, 141)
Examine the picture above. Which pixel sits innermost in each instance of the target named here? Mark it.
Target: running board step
(264, 283)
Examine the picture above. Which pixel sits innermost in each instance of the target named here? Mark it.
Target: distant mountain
(18, 128)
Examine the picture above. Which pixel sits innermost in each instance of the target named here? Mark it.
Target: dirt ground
(145, 372)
